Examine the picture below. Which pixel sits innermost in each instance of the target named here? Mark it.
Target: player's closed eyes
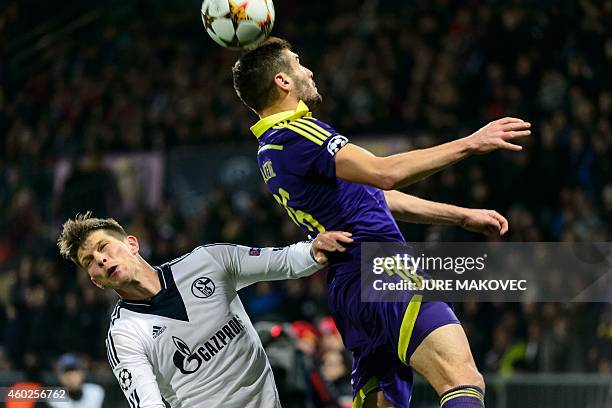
(100, 248)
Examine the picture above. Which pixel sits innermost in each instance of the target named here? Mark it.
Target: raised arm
(358, 165)
(405, 207)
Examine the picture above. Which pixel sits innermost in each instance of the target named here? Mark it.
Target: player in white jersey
(179, 333)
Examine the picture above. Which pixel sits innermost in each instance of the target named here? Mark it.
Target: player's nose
(99, 258)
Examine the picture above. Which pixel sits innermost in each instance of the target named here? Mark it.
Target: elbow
(387, 183)
(387, 176)
(387, 180)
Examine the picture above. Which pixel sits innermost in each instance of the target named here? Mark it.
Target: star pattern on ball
(238, 11)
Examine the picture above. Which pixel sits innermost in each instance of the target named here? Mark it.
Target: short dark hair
(75, 232)
(255, 70)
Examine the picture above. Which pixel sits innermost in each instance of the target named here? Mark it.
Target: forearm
(407, 168)
(409, 208)
(358, 165)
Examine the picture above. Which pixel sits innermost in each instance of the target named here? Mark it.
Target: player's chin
(315, 98)
(117, 282)
(111, 284)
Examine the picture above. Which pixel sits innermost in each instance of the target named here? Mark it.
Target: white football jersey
(193, 344)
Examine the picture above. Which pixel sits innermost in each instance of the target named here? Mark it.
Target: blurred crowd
(144, 76)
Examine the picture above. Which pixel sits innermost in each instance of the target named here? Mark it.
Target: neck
(286, 103)
(144, 286)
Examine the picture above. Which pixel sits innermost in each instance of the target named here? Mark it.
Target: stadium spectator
(81, 394)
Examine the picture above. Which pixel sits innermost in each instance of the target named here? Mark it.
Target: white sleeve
(250, 265)
(133, 371)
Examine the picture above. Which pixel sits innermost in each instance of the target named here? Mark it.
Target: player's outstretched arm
(358, 165)
(250, 265)
(405, 207)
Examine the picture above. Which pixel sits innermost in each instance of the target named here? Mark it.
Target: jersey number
(299, 217)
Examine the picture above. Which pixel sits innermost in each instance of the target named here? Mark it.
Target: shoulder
(125, 323)
(307, 130)
(115, 316)
(191, 256)
(122, 318)
(301, 146)
(319, 124)
(214, 258)
(204, 253)
(311, 133)
(299, 129)
(196, 258)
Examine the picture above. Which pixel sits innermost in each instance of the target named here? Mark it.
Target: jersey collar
(168, 302)
(266, 123)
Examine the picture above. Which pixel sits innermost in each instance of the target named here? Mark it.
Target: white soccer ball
(236, 24)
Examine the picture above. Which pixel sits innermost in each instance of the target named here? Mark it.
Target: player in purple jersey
(324, 182)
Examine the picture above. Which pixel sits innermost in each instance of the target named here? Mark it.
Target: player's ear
(132, 242)
(95, 282)
(283, 81)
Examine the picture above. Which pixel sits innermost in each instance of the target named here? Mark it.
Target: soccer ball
(236, 24)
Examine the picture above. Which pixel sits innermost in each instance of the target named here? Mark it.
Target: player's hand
(329, 241)
(486, 222)
(498, 134)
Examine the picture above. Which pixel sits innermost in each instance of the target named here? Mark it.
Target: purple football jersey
(296, 159)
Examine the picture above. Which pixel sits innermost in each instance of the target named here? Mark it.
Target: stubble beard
(307, 93)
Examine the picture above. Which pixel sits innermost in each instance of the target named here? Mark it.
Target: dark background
(85, 84)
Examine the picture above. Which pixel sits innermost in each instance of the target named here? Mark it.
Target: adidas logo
(158, 330)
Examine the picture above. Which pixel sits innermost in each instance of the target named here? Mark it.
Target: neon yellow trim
(410, 316)
(305, 134)
(314, 126)
(463, 394)
(266, 123)
(313, 132)
(467, 392)
(370, 386)
(269, 147)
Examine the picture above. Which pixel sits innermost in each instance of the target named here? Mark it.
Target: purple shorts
(381, 335)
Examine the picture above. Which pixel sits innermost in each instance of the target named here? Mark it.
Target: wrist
(312, 255)
(461, 216)
(468, 144)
